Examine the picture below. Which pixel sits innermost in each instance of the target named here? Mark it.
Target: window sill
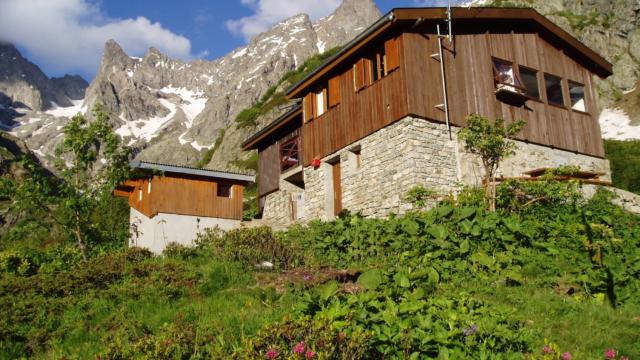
(557, 106)
(580, 112)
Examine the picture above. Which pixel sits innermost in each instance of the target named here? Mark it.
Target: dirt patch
(310, 278)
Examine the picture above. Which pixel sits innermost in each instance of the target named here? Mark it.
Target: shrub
(247, 117)
(251, 246)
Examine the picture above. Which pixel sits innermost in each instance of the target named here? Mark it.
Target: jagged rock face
(171, 111)
(351, 17)
(28, 86)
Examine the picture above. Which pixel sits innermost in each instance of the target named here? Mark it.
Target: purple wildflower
(310, 354)
(547, 349)
(306, 277)
(470, 331)
(566, 355)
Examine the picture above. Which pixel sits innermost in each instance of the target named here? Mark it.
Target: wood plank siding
(185, 195)
(415, 88)
(269, 162)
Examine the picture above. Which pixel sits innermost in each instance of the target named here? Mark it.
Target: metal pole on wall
(444, 81)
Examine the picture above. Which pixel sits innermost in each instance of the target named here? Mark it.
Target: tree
(490, 141)
(82, 187)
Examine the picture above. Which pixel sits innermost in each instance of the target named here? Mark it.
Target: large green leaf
(371, 279)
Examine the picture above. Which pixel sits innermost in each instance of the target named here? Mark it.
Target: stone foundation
(378, 170)
(284, 207)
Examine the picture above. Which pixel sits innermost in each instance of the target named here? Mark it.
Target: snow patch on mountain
(147, 129)
(69, 111)
(192, 104)
(616, 125)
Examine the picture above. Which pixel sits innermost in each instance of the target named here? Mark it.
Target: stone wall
(528, 157)
(394, 159)
(280, 207)
(412, 152)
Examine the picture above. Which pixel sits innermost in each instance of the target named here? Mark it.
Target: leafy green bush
(248, 117)
(251, 246)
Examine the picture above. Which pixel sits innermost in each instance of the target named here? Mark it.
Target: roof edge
(604, 66)
(253, 140)
(147, 165)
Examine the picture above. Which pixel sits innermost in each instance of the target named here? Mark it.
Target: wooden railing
(290, 154)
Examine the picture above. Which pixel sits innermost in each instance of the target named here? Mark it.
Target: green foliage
(580, 22)
(490, 141)
(206, 157)
(624, 157)
(419, 196)
(251, 246)
(273, 98)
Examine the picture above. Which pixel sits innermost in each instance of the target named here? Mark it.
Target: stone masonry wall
(414, 152)
(278, 210)
(394, 159)
(528, 157)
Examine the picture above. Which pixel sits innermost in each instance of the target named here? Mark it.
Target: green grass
(624, 157)
(585, 327)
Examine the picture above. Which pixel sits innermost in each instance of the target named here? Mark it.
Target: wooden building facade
(173, 203)
(395, 71)
(497, 62)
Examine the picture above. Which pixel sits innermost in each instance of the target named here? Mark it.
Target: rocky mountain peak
(28, 87)
(172, 111)
(349, 19)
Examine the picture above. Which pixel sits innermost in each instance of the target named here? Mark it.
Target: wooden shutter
(334, 91)
(391, 53)
(359, 74)
(307, 107)
(368, 66)
(325, 100)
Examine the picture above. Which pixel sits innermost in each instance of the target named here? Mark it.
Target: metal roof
(139, 164)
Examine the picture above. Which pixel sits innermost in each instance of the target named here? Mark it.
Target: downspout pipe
(445, 92)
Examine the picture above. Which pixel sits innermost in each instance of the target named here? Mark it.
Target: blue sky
(66, 36)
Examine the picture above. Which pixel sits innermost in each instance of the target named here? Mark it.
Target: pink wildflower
(310, 354)
(610, 354)
(566, 355)
(547, 349)
(299, 348)
(272, 354)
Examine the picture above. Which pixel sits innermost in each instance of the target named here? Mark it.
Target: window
(224, 190)
(355, 158)
(321, 106)
(529, 79)
(553, 86)
(149, 187)
(576, 92)
(289, 154)
(505, 77)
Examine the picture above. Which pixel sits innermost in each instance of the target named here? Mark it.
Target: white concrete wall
(161, 230)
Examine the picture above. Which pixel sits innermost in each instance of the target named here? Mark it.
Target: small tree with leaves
(84, 143)
(491, 141)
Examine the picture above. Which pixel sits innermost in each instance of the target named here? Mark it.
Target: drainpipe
(444, 80)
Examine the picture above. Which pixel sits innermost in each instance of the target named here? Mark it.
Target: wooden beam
(121, 193)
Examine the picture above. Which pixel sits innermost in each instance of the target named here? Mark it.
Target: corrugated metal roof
(192, 171)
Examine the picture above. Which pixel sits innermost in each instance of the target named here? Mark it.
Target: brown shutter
(325, 100)
(391, 53)
(368, 65)
(334, 91)
(359, 75)
(307, 105)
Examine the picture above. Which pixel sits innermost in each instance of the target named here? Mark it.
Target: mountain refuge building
(382, 115)
(172, 204)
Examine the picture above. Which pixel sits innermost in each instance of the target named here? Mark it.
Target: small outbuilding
(172, 204)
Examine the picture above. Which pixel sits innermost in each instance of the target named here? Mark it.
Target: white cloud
(69, 35)
(269, 12)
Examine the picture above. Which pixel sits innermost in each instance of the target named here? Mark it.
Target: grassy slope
(125, 304)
